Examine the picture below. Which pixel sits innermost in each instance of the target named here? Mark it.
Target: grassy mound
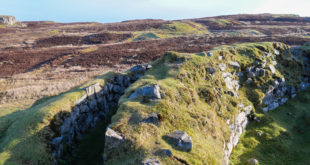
(173, 29)
(184, 27)
(145, 36)
(195, 102)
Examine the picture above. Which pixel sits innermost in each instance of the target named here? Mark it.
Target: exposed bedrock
(8, 20)
(93, 107)
(278, 93)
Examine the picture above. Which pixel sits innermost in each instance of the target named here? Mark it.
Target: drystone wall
(93, 107)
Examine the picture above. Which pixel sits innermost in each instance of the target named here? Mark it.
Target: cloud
(300, 7)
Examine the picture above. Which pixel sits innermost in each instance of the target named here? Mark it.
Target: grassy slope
(184, 108)
(285, 138)
(22, 132)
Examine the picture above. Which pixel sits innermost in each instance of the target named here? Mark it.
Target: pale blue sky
(119, 10)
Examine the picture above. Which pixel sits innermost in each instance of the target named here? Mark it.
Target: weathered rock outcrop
(237, 128)
(8, 20)
(112, 139)
(276, 94)
(150, 92)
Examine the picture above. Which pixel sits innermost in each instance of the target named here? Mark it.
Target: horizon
(122, 10)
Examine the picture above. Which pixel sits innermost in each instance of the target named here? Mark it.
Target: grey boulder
(234, 64)
(112, 139)
(272, 69)
(181, 140)
(150, 91)
(211, 70)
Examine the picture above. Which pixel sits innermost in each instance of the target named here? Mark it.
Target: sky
(119, 10)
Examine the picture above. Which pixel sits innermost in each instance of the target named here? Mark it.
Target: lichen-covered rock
(276, 52)
(211, 70)
(92, 90)
(272, 69)
(222, 66)
(234, 64)
(237, 128)
(181, 140)
(150, 91)
(112, 139)
(232, 84)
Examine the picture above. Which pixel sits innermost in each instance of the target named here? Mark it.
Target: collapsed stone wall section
(91, 108)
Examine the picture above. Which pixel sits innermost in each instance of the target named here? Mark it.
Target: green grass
(184, 27)
(173, 29)
(285, 139)
(146, 36)
(181, 28)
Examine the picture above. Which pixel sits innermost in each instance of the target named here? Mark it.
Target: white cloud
(301, 7)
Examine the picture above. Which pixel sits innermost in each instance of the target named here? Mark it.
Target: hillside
(217, 90)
